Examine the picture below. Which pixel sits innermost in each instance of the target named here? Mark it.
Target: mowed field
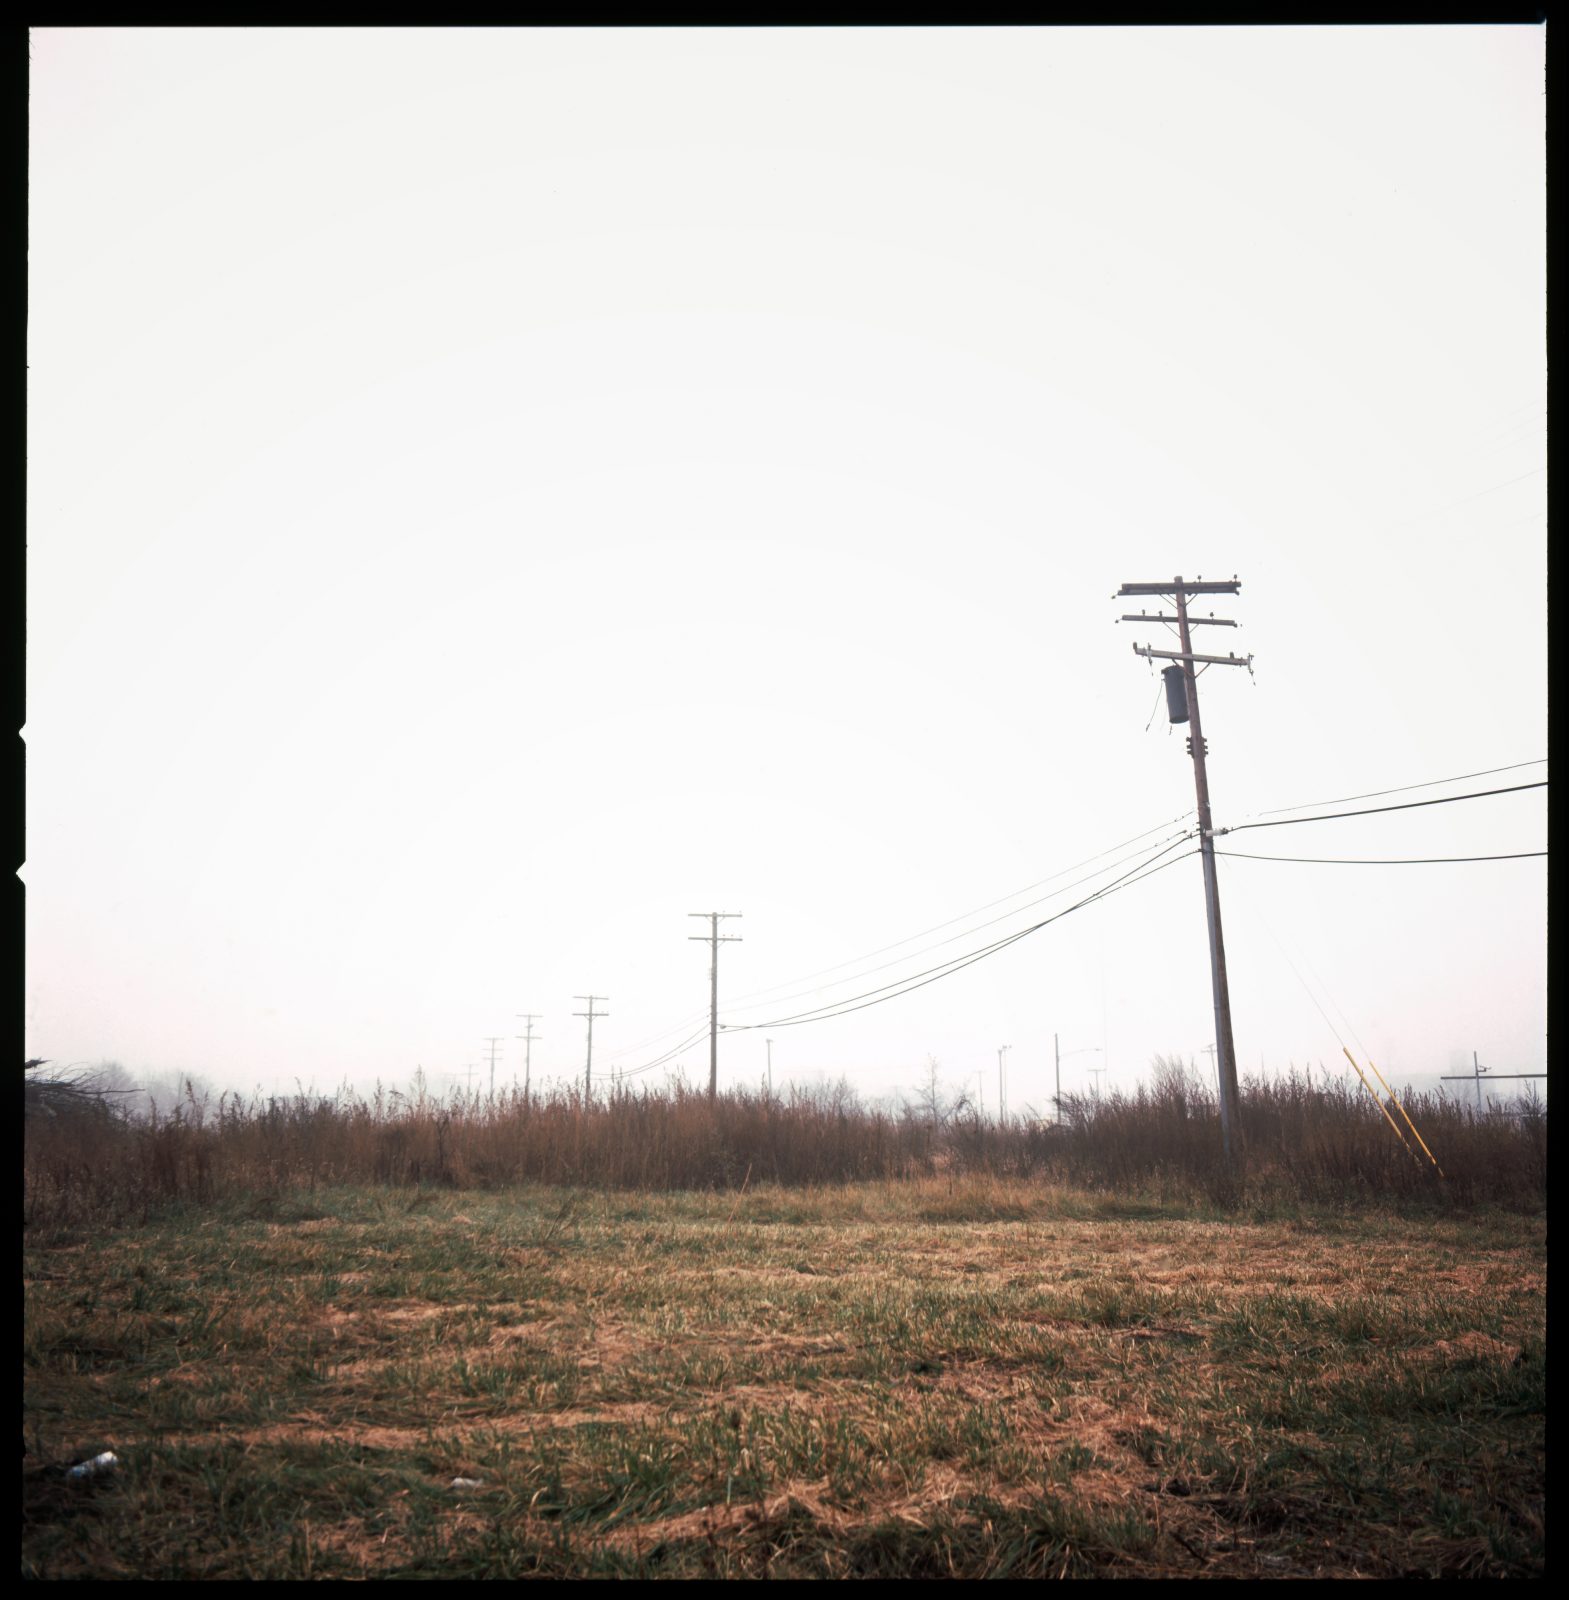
(975, 1378)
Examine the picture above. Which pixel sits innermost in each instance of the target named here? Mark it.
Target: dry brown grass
(1301, 1143)
(982, 1377)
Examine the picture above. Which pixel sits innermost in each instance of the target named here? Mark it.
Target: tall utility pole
(591, 1013)
(528, 1037)
(770, 1044)
(492, 1040)
(714, 938)
(1182, 702)
(1002, 1083)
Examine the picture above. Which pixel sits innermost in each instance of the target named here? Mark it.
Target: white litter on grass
(466, 1483)
(104, 1462)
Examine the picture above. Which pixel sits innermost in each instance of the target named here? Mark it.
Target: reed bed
(1302, 1142)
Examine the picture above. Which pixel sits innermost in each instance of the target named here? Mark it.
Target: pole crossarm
(1193, 622)
(1177, 586)
(1183, 655)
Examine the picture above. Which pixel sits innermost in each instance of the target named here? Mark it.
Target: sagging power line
(750, 1002)
(1369, 811)
(964, 933)
(1381, 861)
(901, 986)
(1404, 788)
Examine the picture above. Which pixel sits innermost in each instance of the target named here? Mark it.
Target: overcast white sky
(493, 493)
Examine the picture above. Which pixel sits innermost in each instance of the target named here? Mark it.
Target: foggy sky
(495, 493)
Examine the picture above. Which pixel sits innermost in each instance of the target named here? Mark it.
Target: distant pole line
(591, 1013)
(714, 938)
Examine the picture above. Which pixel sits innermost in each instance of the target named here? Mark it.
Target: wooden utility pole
(591, 1013)
(1182, 699)
(492, 1040)
(714, 938)
(528, 1037)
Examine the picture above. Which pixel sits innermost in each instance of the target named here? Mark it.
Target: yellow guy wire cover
(1382, 1107)
(1394, 1100)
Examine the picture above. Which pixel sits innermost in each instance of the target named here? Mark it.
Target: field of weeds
(967, 1377)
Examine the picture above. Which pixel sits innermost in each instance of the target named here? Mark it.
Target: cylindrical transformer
(1176, 693)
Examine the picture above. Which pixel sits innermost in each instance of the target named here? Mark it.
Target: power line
(1286, 956)
(1374, 794)
(964, 933)
(1367, 811)
(745, 1001)
(669, 1055)
(947, 968)
(1380, 861)
(1465, 500)
(944, 967)
(963, 916)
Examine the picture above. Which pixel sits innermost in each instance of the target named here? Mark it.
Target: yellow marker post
(1394, 1101)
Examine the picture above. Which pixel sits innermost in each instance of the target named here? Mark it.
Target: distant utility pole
(591, 1013)
(1098, 1071)
(1182, 704)
(714, 938)
(528, 1037)
(492, 1040)
(770, 1044)
(1477, 1071)
(1056, 1051)
(1002, 1083)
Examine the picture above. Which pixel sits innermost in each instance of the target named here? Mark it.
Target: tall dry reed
(1300, 1140)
